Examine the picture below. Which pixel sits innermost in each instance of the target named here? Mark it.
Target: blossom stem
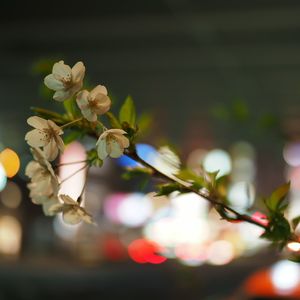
(79, 200)
(74, 173)
(71, 163)
(102, 125)
(71, 123)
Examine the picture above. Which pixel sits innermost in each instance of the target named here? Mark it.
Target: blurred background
(221, 80)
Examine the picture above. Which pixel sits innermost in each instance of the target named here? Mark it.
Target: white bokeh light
(285, 276)
(134, 210)
(217, 160)
(241, 194)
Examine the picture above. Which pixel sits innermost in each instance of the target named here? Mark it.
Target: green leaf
(295, 222)
(127, 113)
(212, 176)
(279, 230)
(275, 201)
(113, 120)
(136, 172)
(167, 189)
(72, 136)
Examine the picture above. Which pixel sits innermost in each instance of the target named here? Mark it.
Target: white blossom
(112, 143)
(44, 182)
(73, 213)
(93, 103)
(64, 80)
(47, 135)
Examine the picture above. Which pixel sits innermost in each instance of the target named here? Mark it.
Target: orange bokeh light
(10, 162)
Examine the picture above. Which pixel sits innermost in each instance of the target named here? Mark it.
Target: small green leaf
(167, 189)
(295, 222)
(135, 172)
(127, 113)
(275, 201)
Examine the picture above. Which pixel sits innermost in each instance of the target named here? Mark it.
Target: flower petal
(122, 140)
(52, 207)
(78, 72)
(89, 115)
(61, 95)
(37, 122)
(61, 70)
(103, 104)
(116, 131)
(55, 127)
(52, 83)
(82, 99)
(101, 148)
(37, 138)
(115, 150)
(51, 150)
(67, 200)
(99, 89)
(70, 216)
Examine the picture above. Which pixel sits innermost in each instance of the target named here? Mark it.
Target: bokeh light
(285, 276)
(220, 252)
(134, 210)
(291, 154)
(3, 178)
(241, 195)
(11, 196)
(63, 230)
(217, 160)
(10, 162)
(143, 251)
(10, 235)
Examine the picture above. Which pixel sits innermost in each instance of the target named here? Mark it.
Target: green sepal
(93, 158)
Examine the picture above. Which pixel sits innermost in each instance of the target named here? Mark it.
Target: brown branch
(214, 202)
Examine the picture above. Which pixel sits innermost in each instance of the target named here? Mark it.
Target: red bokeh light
(143, 251)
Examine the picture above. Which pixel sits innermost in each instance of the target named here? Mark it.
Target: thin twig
(74, 173)
(70, 163)
(157, 173)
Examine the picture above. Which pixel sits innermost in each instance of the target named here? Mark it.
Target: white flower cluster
(46, 142)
